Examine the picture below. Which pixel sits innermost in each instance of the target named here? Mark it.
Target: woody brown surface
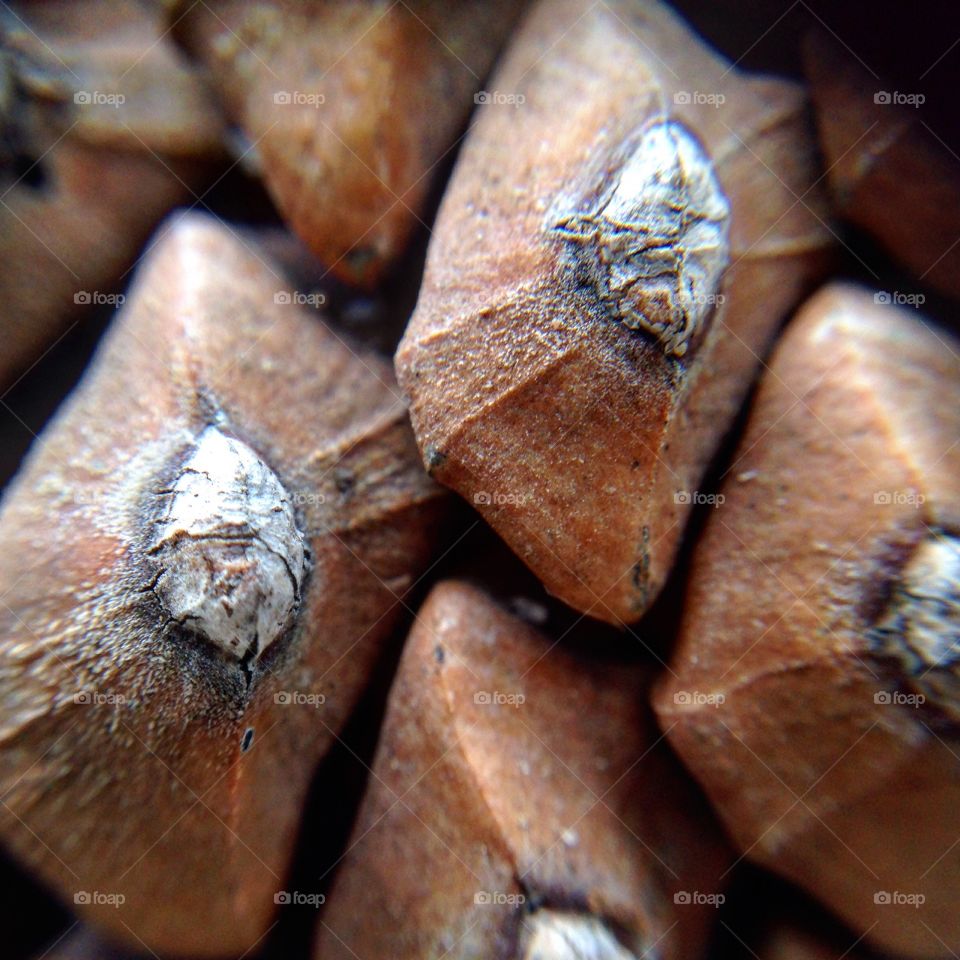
(350, 108)
(110, 129)
(813, 691)
(236, 339)
(579, 440)
(131, 752)
(889, 171)
(520, 797)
